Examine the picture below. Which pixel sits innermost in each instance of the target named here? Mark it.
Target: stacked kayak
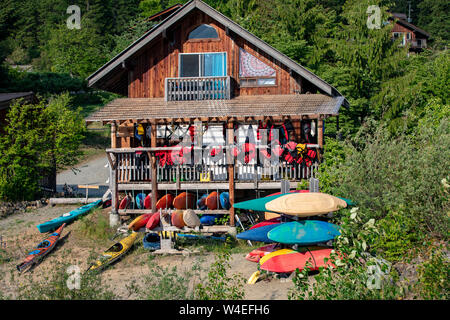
(292, 244)
(41, 250)
(67, 217)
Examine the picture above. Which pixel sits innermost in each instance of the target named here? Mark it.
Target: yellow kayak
(114, 253)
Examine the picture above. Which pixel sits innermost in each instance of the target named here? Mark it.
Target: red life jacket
(249, 150)
(290, 153)
(180, 156)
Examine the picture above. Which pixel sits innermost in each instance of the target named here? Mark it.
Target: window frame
(256, 85)
(202, 39)
(200, 64)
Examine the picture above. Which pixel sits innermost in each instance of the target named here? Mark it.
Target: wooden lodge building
(411, 36)
(197, 67)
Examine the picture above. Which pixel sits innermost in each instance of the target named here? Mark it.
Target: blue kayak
(258, 234)
(306, 232)
(140, 200)
(225, 200)
(208, 219)
(67, 217)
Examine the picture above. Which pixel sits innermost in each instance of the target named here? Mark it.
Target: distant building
(414, 37)
(7, 99)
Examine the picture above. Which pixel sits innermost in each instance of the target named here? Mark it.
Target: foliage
(38, 139)
(434, 275)
(96, 226)
(53, 286)
(219, 285)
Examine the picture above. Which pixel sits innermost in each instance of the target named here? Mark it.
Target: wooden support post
(113, 186)
(153, 166)
(113, 135)
(230, 141)
(320, 132)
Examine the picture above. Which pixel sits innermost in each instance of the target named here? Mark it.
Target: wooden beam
(153, 136)
(230, 127)
(320, 133)
(113, 135)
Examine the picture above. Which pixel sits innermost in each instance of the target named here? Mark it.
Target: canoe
(148, 201)
(184, 201)
(191, 219)
(225, 200)
(67, 217)
(124, 203)
(208, 219)
(140, 200)
(212, 201)
(256, 254)
(266, 223)
(139, 222)
(41, 250)
(305, 232)
(289, 262)
(165, 202)
(114, 253)
(258, 234)
(153, 222)
(177, 219)
(201, 203)
(305, 204)
(151, 241)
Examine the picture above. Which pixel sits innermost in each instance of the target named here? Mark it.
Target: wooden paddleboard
(184, 201)
(177, 219)
(191, 219)
(165, 202)
(305, 204)
(212, 201)
(304, 232)
(285, 263)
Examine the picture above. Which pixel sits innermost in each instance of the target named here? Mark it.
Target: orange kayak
(184, 201)
(139, 222)
(41, 250)
(165, 202)
(212, 201)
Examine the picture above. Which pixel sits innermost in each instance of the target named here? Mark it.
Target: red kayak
(139, 222)
(41, 250)
(153, 222)
(257, 254)
(266, 223)
(289, 262)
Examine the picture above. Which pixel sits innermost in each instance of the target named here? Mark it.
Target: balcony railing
(198, 88)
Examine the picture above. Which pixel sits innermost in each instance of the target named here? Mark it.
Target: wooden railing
(198, 88)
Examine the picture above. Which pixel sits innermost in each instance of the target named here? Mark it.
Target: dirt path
(19, 234)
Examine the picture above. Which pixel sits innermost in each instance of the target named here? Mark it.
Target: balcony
(197, 88)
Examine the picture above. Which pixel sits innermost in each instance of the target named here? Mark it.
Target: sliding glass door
(203, 64)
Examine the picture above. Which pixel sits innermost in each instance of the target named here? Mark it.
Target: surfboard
(212, 201)
(303, 232)
(165, 202)
(225, 200)
(140, 200)
(258, 234)
(305, 204)
(148, 201)
(285, 263)
(184, 201)
(177, 219)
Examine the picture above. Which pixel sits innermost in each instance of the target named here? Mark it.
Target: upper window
(203, 32)
(203, 64)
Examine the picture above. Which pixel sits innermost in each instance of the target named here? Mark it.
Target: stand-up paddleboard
(258, 234)
(289, 262)
(184, 200)
(212, 201)
(256, 254)
(139, 222)
(208, 219)
(225, 200)
(305, 232)
(67, 217)
(165, 202)
(305, 204)
(266, 223)
(140, 200)
(124, 203)
(191, 219)
(177, 219)
(148, 201)
(201, 202)
(153, 222)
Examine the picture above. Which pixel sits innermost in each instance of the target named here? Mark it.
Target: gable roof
(116, 63)
(401, 19)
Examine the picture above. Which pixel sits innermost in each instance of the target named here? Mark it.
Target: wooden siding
(149, 68)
